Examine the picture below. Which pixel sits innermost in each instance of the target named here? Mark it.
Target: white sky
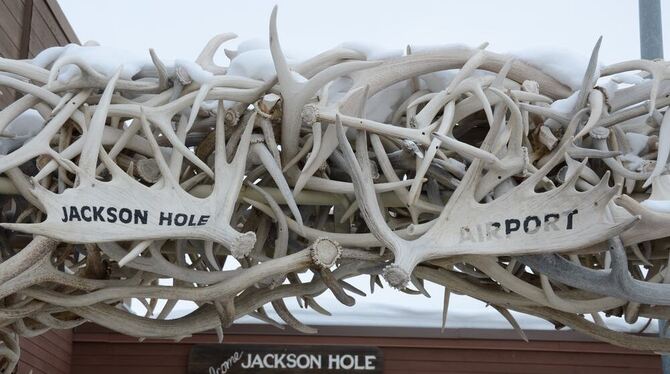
(179, 29)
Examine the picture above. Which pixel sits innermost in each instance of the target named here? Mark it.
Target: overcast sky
(179, 29)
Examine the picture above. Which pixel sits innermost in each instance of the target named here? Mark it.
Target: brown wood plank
(50, 20)
(6, 98)
(58, 14)
(15, 8)
(477, 370)
(511, 356)
(67, 334)
(551, 346)
(101, 351)
(36, 45)
(33, 360)
(7, 49)
(51, 359)
(24, 369)
(58, 349)
(29, 370)
(10, 26)
(64, 343)
(520, 367)
(52, 342)
(135, 360)
(26, 23)
(397, 354)
(554, 341)
(431, 361)
(429, 334)
(95, 369)
(41, 29)
(84, 349)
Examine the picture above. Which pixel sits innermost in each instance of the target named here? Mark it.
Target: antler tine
(475, 177)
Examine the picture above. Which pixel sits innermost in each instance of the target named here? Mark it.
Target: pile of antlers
(493, 185)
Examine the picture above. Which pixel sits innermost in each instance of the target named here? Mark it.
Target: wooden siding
(417, 351)
(26, 28)
(26, 31)
(49, 353)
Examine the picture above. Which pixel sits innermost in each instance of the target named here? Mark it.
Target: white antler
(474, 170)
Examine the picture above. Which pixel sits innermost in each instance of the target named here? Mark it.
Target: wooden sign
(240, 358)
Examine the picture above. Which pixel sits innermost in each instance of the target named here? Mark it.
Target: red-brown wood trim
(26, 28)
(549, 341)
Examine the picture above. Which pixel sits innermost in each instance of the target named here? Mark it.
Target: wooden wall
(29, 26)
(417, 351)
(26, 28)
(49, 353)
